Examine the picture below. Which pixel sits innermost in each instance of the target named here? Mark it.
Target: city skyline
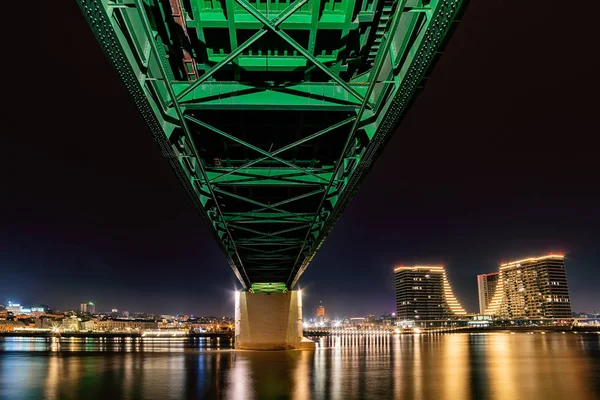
(484, 297)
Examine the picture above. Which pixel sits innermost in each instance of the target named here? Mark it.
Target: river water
(442, 367)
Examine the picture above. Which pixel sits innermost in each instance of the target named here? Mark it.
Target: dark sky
(497, 160)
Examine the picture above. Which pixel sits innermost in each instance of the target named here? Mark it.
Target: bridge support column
(269, 321)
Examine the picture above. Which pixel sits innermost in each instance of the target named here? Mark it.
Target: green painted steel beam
(292, 8)
(234, 95)
(268, 176)
(231, 26)
(268, 217)
(248, 200)
(315, 15)
(268, 242)
(287, 115)
(280, 63)
(265, 287)
(287, 201)
(298, 21)
(310, 57)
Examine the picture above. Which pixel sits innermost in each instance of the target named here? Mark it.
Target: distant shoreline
(110, 335)
(525, 329)
(515, 329)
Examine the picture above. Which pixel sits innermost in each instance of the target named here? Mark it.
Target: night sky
(496, 161)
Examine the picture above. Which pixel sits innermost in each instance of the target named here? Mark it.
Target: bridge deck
(271, 112)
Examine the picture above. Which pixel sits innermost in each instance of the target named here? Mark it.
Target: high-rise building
(14, 308)
(486, 287)
(424, 293)
(321, 312)
(532, 288)
(88, 307)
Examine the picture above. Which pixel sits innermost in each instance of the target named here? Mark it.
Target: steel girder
(271, 113)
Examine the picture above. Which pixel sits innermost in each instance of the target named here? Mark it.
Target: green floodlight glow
(90, 303)
(275, 287)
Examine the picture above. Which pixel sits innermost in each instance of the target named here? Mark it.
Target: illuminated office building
(88, 308)
(424, 293)
(532, 288)
(486, 287)
(14, 308)
(321, 312)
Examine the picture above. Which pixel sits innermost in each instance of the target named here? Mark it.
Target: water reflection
(302, 376)
(456, 367)
(450, 366)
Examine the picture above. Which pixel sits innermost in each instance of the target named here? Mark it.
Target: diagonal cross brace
(269, 242)
(265, 235)
(287, 201)
(251, 147)
(285, 14)
(282, 250)
(256, 175)
(269, 24)
(287, 147)
(256, 203)
(270, 218)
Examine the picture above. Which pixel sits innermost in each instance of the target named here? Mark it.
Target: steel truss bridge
(272, 112)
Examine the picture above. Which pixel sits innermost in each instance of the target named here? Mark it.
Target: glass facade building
(532, 288)
(321, 312)
(88, 307)
(486, 287)
(424, 293)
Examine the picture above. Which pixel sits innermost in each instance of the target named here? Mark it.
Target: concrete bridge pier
(269, 321)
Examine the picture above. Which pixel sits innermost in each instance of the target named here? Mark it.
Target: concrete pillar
(269, 321)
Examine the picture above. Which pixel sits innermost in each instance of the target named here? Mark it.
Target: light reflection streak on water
(128, 377)
(53, 378)
(397, 366)
(456, 367)
(336, 362)
(176, 374)
(417, 368)
(452, 366)
(302, 377)
(320, 364)
(239, 381)
(501, 369)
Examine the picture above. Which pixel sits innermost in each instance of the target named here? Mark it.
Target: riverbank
(177, 334)
(526, 329)
(164, 334)
(513, 329)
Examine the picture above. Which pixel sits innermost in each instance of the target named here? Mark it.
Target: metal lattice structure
(271, 112)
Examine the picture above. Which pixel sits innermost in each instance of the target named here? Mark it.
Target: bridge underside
(271, 112)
